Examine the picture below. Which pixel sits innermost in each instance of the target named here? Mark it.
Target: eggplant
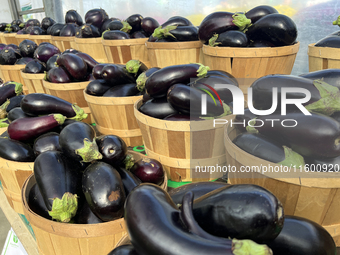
(37, 31)
(3, 26)
(148, 170)
(51, 62)
(97, 69)
(10, 90)
(329, 76)
(146, 97)
(158, 83)
(45, 51)
(36, 202)
(329, 41)
(124, 90)
(73, 16)
(138, 35)
(230, 38)
(259, 11)
(119, 25)
(126, 249)
(187, 100)
(27, 48)
(2, 46)
(113, 148)
(299, 136)
(158, 108)
(322, 164)
(32, 23)
(130, 181)
(16, 113)
(149, 24)
(185, 33)
(178, 117)
(117, 74)
(10, 104)
(90, 62)
(16, 22)
(276, 28)
(96, 17)
(77, 141)
(55, 29)
(15, 150)
(98, 87)
(23, 61)
(8, 57)
(59, 181)
(22, 32)
(302, 236)
(177, 21)
(27, 128)
(241, 211)
(35, 66)
(13, 47)
(46, 142)
(104, 191)
(115, 35)
(168, 236)
(42, 104)
(106, 23)
(260, 44)
(88, 31)
(13, 29)
(135, 22)
(58, 75)
(73, 51)
(219, 22)
(47, 22)
(69, 29)
(86, 216)
(74, 65)
(144, 76)
(199, 189)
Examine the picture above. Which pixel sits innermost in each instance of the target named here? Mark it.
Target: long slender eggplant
(86, 216)
(177, 21)
(16, 113)
(230, 38)
(104, 191)
(242, 211)
(74, 64)
(98, 87)
(117, 74)
(15, 150)
(27, 128)
(130, 181)
(149, 25)
(113, 148)
(199, 189)
(157, 108)
(115, 35)
(36, 202)
(158, 83)
(90, 62)
(329, 76)
(123, 90)
(168, 235)
(126, 249)
(59, 181)
(77, 141)
(42, 104)
(144, 76)
(46, 142)
(302, 236)
(259, 11)
(97, 69)
(300, 136)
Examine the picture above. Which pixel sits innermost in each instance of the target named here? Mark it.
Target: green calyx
(80, 114)
(161, 33)
(132, 66)
(226, 111)
(104, 33)
(241, 21)
(129, 161)
(64, 209)
(89, 152)
(3, 123)
(141, 81)
(3, 107)
(157, 33)
(126, 27)
(18, 88)
(59, 118)
(212, 41)
(292, 159)
(202, 70)
(337, 21)
(330, 99)
(250, 128)
(22, 25)
(247, 247)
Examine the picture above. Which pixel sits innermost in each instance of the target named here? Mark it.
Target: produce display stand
(64, 42)
(320, 58)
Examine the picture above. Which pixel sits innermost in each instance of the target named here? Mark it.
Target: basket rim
(26, 75)
(126, 42)
(173, 45)
(65, 86)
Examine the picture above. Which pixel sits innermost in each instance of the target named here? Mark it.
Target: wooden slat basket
(92, 46)
(320, 58)
(12, 73)
(174, 53)
(40, 38)
(21, 37)
(249, 64)
(185, 148)
(33, 82)
(114, 115)
(121, 51)
(2, 38)
(56, 238)
(10, 38)
(71, 92)
(309, 195)
(64, 42)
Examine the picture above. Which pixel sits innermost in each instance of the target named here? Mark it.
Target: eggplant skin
(329, 76)
(232, 38)
(158, 108)
(86, 216)
(259, 11)
(185, 33)
(124, 90)
(98, 87)
(36, 202)
(15, 150)
(126, 249)
(302, 236)
(329, 41)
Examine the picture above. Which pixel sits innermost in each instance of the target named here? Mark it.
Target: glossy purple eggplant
(16, 113)
(27, 48)
(46, 142)
(113, 148)
(135, 22)
(15, 150)
(329, 76)
(130, 181)
(45, 51)
(74, 65)
(58, 75)
(119, 25)
(141, 79)
(90, 61)
(260, 44)
(139, 34)
(47, 22)
(10, 104)
(148, 170)
(230, 38)
(106, 23)
(185, 33)
(35, 66)
(68, 30)
(8, 57)
(36, 202)
(88, 31)
(259, 11)
(124, 90)
(149, 25)
(115, 35)
(97, 69)
(55, 29)
(96, 17)
(51, 63)
(158, 108)
(177, 21)
(86, 216)
(10, 90)
(117, 74)
(98, 87)
(23, 61)
(37, 31)
(73, 16)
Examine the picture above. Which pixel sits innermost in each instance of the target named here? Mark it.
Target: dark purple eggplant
(13, 47)
(10, 104)
(98, 87)
(27, 128)
(126, 249)
(124, 90)
(146, 97)
(35, 66)
(144, 76)
(158, 83)
(115, 35)
(8, 57)
(157, 108)
(130, 181)
(15, 150)
(90, 62)
(36, 202)
(178, 117)
(185, 33)
(47, 22)
(59, 181)
(119, 25)
(3, 26)
(302, 236)
(10, 90)
(86, 216)
(135, 22)
(90, 77)
(74, 65)
(322, 164)
(37, 31)
(73, 51)
(104, 191)
(177, 21)
(46, 142)
(2, 46)
(113, 148)
(106, 23)
(139, 34)
(148, 170)
(23, 61)
(329, 76)
(199, 189)
(32, 23)
(73, 16)
(88, 31)
(16, 22)
(27, 48)
(69, 29)
(219, 22)
(22, 32)
(230, 38)
(42, 104)
(51, 62)
(260, 44)
(45, 51)
(241, 211)
(117, 74)
(56, 28)
(329, 41)
(299, 136)
(149, 24)
(13, 28)
(97, 69)
(96, 17)
(260, 11)
(77, 141)
(16, 113)
(58, 75)
(168, 236)
(276, 28)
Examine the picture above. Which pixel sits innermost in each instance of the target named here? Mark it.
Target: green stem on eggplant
(157, 33)
(337, 21)
(166, 31)
(89, 152)
(202, 70)
(126, 27)
(212, 41)
(132, 66)
(250, 127)
(141, 81)
(64, 209)
(80, 114)
(3, 107)
(226, 111)
(129, 161)
(18, 88)
(3, 123)
(241, 21)
(292, 159)
(104, 33)
(59, 118)
(245, 247)
(22, 25)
